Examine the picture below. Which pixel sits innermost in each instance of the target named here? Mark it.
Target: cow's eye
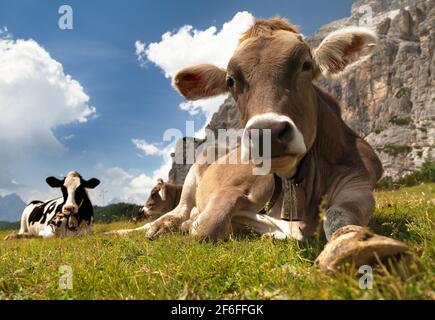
(230, 82)
(307, 66)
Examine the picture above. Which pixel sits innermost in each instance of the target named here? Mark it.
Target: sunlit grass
(178, 267)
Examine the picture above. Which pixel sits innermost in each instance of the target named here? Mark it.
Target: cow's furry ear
(201, 81)
(343, 48)
(162, 192)
(91, 183)
(54, 182)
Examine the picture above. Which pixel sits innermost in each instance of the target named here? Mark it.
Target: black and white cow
(71, 214)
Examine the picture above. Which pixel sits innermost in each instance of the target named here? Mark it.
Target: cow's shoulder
(370, 159)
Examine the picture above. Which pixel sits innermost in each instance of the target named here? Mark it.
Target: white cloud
(116, 177)
(140, 49)
(149, 149)
(4, 33)
(119, 185)
(189, 46)
(207, 106)
(175, 51)
(163, 170)
(138, 188)
(153, 150)
(36, 96)
(68, 137)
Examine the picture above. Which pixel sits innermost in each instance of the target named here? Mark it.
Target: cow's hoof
(154, 233)
(358, 246)
(161, 226)
(156, 230)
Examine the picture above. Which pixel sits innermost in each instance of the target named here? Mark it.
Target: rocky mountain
(390, 98)
(180, 163)
(11, 207)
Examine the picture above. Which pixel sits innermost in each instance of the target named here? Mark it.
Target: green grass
(400, 121)
(178, 267)
(395, 150)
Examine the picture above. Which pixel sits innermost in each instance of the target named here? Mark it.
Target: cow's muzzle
(274, 139)
(70, 208)
(142, 214)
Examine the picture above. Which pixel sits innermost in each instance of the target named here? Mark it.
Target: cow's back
(38, 214)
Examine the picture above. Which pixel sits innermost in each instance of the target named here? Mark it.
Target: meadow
(178, 267)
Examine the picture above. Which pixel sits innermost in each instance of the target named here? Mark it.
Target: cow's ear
(343, 48)
(162, 191)
(201, 81)
(91, 183)
(54, 182)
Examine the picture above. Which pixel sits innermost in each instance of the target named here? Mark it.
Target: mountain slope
(11, 207)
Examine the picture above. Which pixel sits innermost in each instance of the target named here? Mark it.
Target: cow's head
(73, 189)
(270, 76)
(157, 202)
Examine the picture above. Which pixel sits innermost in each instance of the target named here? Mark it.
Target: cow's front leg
(170, 222)
(14, 236)
(351, 203)
(214, 223)
(122, 232)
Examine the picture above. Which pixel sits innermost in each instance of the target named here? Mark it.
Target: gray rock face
(227, 117)
(180, 159)
(390, 98)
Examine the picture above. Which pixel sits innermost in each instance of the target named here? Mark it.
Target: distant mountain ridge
(11, 207)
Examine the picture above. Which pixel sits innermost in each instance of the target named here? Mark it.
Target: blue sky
(131, 101)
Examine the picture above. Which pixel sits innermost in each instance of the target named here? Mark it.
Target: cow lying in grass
(271, 76)
(163, 198)
(71, 214)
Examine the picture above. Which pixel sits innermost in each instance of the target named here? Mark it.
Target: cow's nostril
(282, 131)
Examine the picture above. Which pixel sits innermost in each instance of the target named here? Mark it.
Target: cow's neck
(86, 210)
(332, 134)
(309, 181)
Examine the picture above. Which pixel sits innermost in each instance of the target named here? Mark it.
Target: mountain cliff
(390, 98)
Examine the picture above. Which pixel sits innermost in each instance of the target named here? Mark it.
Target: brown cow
(271, 78)
(163, 198)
